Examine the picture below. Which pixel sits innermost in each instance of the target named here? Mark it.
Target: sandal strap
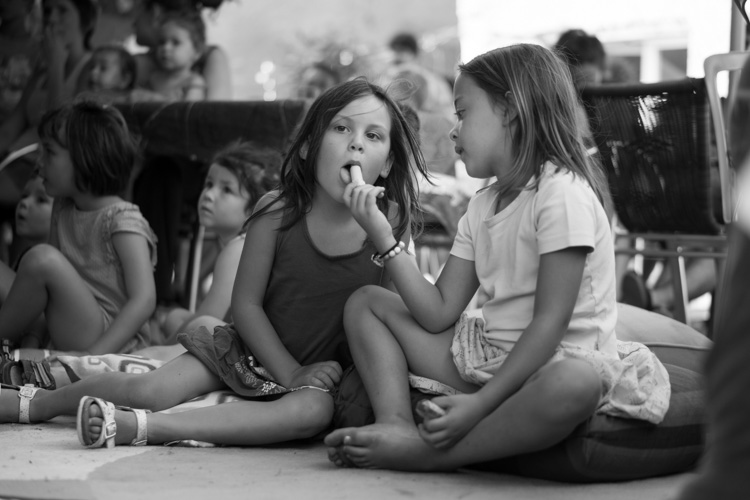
(141, 434)
(25, 395)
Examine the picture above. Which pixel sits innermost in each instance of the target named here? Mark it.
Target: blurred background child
(94, 281)
(239, 175)
(111, 74)
(182, 40)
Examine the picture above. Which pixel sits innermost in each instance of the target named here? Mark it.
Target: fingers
(441, 439)
(365, 195)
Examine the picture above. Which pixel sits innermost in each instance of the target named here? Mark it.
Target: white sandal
(109, 429)
(25, 395)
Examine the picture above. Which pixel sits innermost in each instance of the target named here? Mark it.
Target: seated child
(111, 74)
(182, 39)
(543, 357)
(303, 256)
(33, 213)
(239, 175)
(94, 281)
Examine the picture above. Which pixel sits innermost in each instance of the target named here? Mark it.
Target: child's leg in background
(176, 382)
(47, 283)
(543, 412)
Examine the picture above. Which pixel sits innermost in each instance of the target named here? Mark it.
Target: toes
(335, 438)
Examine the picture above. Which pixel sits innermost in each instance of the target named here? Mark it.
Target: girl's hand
(462, 413)
(361, 199)
(326, 375)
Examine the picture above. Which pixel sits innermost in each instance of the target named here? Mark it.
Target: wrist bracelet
(379, 259)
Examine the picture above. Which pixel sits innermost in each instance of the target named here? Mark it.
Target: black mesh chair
(654, 142)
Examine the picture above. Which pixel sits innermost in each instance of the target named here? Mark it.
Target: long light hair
(549, 127)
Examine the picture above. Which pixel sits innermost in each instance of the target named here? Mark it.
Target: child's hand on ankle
(462, 413)
(325, 375)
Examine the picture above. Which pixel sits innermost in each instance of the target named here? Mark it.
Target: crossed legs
(385, 340)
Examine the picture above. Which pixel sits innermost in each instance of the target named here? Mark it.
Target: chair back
(653, 141)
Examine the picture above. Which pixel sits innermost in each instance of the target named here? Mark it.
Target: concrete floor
(45, 461)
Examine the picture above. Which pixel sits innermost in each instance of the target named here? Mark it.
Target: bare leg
(297, 415)
(384, 339)
(47, 283)
(176, 382)
(542, 413)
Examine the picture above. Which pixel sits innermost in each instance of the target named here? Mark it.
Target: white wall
(700, 26)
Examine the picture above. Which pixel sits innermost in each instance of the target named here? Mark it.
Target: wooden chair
(654, 142)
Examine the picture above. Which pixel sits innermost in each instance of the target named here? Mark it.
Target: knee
(139, 392)
(40, 258)
(572, 390)
(313, 411)
(359, 304)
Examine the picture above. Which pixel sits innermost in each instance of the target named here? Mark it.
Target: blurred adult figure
(316, 79)
(19, 50)
(585, 56)
(433, 92)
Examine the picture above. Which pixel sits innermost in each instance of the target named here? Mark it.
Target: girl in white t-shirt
(543, 357)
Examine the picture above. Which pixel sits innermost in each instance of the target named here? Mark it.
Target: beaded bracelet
(379, 258)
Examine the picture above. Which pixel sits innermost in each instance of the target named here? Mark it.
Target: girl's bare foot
(381, 446)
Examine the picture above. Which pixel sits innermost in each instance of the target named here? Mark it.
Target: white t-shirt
(561, 212)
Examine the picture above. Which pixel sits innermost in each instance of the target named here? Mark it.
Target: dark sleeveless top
(307, 291)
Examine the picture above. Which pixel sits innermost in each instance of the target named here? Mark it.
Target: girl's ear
(510, 110)
(303, 150)
(387, 167)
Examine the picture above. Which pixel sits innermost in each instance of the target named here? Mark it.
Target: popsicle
(356, 172)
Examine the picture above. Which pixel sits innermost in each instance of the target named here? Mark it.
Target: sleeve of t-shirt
(463, 245)
(565, 214)
(128, 219)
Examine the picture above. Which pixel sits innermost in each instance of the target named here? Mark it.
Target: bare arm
(251, 320)
(196, 90)
(133, 252)
(436, 307)
(218, 76)
(218, 300)
(558, 283)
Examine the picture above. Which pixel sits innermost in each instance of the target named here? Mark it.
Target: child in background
(111, 74)
(239, 175)
(182, 39)
(94, 280)
(543, 357)
(304, 254)
(33, 214)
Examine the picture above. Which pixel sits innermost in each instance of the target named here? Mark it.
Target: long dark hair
(297, 185)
